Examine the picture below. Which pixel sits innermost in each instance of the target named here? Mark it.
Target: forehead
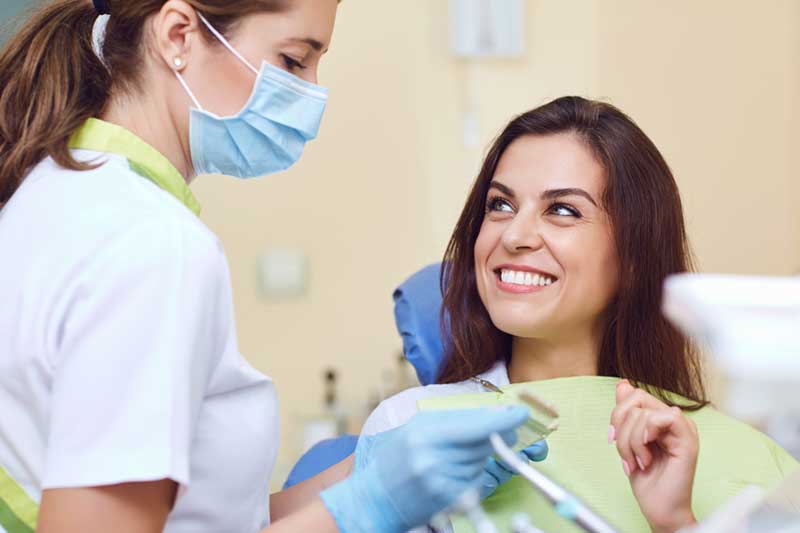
(303, 19)
(535, 163)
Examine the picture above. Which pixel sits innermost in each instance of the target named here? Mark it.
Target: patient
(553, 275)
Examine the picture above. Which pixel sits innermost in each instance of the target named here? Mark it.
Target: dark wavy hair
(642, 200)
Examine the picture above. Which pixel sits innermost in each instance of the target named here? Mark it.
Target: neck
(538, 359)
(149, 118)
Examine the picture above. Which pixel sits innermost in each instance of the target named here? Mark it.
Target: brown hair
(642, 200)
(51, 80)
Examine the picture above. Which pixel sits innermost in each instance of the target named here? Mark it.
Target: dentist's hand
(497, 473)
(658, 446)
(405, 476)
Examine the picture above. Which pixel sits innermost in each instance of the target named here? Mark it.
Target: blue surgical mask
(268, 135)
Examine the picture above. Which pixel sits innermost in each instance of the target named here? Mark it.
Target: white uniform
(118, 352)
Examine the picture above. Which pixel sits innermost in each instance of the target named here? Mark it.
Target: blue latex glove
(404, 476)
(496, 473)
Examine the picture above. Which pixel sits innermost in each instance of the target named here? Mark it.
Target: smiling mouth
(525, 280)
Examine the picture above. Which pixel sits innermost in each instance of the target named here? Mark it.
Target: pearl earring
(178, 62)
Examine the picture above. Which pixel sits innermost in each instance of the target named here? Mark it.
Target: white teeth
(525, 278)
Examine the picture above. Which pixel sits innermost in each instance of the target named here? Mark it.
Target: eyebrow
(313, 43)
(550, 194)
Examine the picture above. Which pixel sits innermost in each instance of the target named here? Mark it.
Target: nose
(311, 76)
(523, 234)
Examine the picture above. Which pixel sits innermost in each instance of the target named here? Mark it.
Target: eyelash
(572, 211)
(492, 205)
(292, 63)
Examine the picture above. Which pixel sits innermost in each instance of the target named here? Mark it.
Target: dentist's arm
(288, 501)
(144, 508)
(410, 474)
(403, 477)
(124, 508)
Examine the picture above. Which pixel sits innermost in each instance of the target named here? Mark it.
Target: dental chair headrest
(417, 305)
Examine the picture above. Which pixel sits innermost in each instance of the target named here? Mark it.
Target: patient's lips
(522, 279)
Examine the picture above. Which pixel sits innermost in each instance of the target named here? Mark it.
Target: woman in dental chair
(553, 275)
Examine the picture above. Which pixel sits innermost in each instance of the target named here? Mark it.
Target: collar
(100, 136)
(497, 375)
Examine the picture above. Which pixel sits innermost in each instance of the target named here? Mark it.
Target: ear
(176, 28)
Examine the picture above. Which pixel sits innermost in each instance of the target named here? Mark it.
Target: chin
(519, 324)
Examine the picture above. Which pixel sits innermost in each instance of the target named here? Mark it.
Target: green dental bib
(732, 456)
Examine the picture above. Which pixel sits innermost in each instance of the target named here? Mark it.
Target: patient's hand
(658, 446)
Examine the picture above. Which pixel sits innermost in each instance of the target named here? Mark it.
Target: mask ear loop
(226, 44)
(188, 90)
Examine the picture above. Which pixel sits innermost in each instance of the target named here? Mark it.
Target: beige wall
(714, 83)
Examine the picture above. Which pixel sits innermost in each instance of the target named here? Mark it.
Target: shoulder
(398, 409)
(108, 194)
(94, 210)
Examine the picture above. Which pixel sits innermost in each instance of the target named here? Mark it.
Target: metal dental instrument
(565, 503)
(543, 418)
(487, 384)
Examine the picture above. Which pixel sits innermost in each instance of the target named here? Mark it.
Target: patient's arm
(283, 503)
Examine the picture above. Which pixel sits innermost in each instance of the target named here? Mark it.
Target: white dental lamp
(752, 327)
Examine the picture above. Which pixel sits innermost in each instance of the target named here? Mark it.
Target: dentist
(125, 404)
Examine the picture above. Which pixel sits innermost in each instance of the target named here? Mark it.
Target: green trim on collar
(101, 136)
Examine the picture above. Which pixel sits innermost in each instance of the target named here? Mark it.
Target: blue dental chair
(417, 304)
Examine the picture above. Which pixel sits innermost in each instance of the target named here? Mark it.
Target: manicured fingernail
(645, 440)
(612, 432)
(626, 468)
(639, 462)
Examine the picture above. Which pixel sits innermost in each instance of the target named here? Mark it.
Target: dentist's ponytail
(52, 81)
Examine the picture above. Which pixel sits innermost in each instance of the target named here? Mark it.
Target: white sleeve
(143, 332)
(393, 412)
(398, 409)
